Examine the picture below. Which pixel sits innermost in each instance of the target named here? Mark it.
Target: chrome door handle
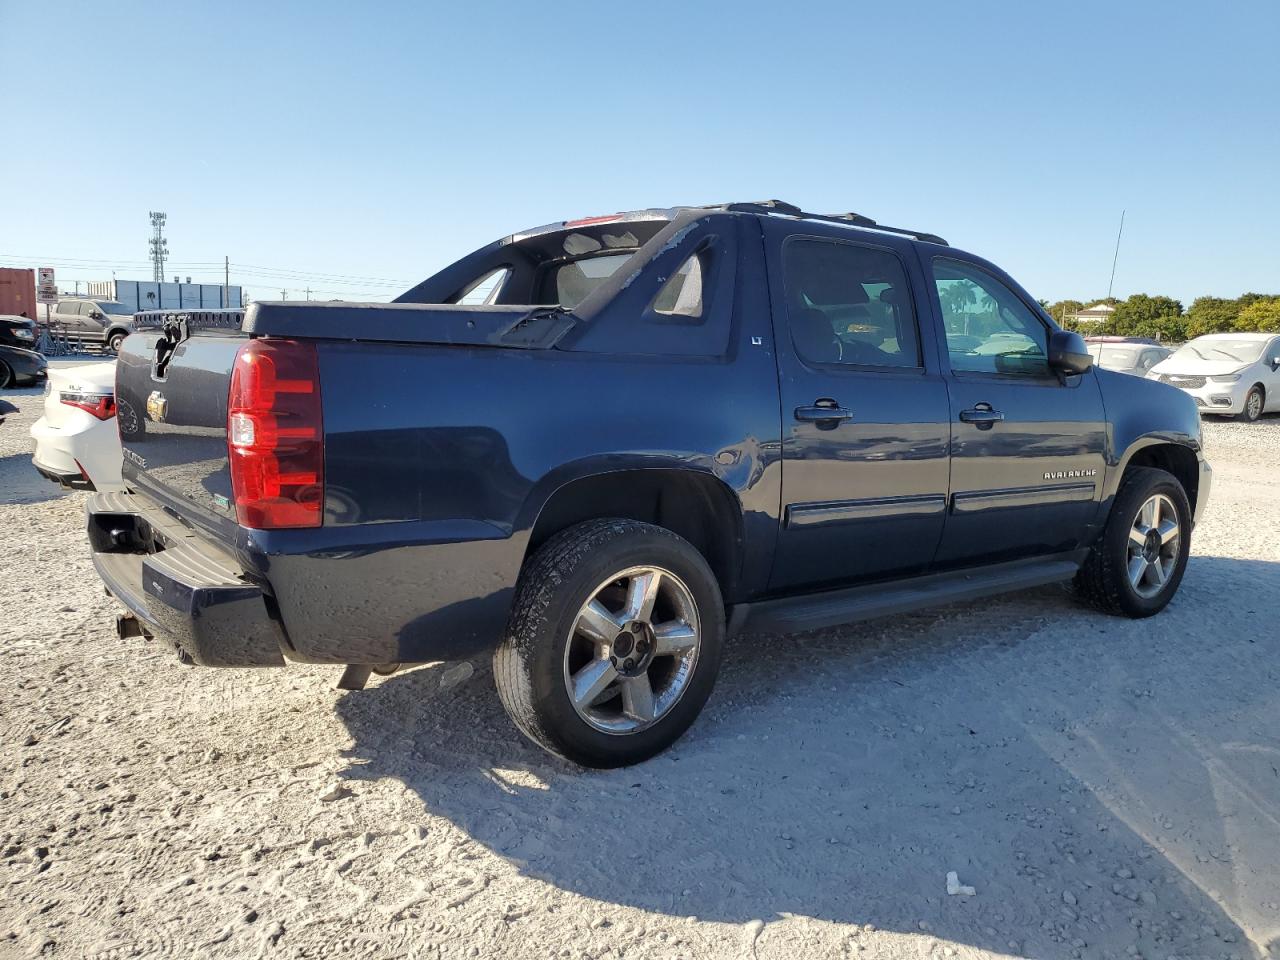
(824, 411)
(982, 415)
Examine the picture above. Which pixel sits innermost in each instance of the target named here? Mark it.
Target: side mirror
(1275, 364)
(95, 315)
(1068, 353)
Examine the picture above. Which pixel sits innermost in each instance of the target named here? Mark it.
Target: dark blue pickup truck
(602, 446)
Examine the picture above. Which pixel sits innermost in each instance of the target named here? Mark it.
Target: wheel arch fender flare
(685, 494)
(1173, 454)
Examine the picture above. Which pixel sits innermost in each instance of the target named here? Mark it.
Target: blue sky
(383, 140)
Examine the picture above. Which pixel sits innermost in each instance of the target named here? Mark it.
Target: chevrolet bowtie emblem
(156, 405)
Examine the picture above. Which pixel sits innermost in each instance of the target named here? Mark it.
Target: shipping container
(148, 295)
(18, 291)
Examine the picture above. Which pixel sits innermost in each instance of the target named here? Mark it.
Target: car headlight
(1225, 378)
(24, 334)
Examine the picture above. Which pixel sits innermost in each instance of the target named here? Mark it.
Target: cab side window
(988, 327)
(849, 304)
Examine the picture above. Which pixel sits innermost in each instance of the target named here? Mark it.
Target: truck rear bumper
(180, 588)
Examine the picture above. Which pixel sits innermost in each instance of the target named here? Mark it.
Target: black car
(17, 331)
(19, 367)
(599, 447)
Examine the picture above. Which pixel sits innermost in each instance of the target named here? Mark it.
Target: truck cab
(599, 447)
(102, 322)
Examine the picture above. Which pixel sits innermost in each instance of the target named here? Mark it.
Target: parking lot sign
(46, 289)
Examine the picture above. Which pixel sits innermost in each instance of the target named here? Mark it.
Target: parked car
(19, 367)
(1233, 374)
(77, 444)
(1131, 355)
(17, 331)
(603, 445)
(102, 322)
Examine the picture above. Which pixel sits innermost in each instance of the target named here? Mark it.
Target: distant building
(148, 295)
(1093, 316)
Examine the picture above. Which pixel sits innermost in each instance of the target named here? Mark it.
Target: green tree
(1262, 315)
(1146, 316)
(1061, 309)
(1211, 315)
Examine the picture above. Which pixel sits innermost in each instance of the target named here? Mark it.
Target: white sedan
(77, 443)
(1228, 373)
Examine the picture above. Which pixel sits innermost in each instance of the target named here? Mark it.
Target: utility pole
(284, 294)
(226, 281)
(159, 246)
(308, 293)
(1116, 257)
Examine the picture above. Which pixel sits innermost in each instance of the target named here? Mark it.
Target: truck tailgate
(173, 399)
(173, 423)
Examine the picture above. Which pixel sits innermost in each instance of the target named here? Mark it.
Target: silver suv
(92, 321)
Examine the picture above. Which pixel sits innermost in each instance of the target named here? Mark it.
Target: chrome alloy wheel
(632, 650)
(1155, 540)
(1254, 405)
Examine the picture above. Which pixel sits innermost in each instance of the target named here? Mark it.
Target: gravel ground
(1109, 788)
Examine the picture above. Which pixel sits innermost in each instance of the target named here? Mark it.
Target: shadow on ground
(1100, 781)
(19, 482)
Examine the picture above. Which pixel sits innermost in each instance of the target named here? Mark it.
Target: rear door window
(849, 304)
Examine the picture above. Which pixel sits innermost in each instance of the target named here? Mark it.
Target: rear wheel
(6, 376)
(1253, 404)
(613, 644)
(1136, 566)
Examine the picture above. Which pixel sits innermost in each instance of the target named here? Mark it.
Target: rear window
(577, 278)
(1118, 358)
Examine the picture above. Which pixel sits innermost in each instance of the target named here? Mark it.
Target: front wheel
(613, 643)
(6, 376)
(1253, 405)
(114, 342)
(1135, 567)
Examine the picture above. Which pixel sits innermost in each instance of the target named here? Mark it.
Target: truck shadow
(1100, 781)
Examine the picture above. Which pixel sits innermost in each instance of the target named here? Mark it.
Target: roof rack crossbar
(854, 219)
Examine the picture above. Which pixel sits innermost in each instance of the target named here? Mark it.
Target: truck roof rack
(791, 210)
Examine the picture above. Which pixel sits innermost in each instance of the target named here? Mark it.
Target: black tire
(1254, 401)
(1104, 581)
(530, 664)
(114, 342)
(6, 376)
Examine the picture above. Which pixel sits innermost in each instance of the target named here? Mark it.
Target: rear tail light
(101, 405)
(275, 435)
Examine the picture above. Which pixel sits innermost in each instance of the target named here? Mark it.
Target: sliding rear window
(570, 282)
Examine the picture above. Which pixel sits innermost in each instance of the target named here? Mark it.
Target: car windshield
(112, 306)
(1221, 348)
(1112, 356)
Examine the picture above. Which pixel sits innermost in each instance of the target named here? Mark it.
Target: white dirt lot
(1110, 788)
